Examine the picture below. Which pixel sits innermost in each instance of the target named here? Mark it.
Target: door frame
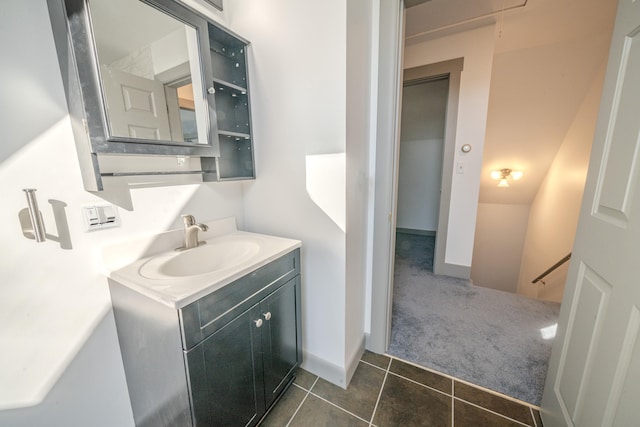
(385, 149)
(450, 69)
(385, 135)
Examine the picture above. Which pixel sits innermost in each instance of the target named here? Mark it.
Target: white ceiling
(437, 14)
(545, 61)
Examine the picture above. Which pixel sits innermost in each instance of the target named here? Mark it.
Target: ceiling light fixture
(505, 173)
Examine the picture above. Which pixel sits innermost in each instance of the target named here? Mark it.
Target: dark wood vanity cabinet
(238, 372)
(222, 360)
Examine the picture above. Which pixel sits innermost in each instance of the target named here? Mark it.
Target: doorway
(422, 135)
(388, 293)
(444, 323)
(425, 162)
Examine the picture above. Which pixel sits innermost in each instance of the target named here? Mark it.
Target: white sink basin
(214, 255)
(177, 279)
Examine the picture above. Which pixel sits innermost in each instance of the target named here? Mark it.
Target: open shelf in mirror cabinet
(233, 106)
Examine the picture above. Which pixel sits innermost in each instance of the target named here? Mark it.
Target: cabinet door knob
(211, 91)
(267, 315)
(258, 323)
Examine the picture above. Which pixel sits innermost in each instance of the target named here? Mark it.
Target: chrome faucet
(191, 233)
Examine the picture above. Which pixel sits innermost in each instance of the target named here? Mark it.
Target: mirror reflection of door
(150, 72)
(137, 106)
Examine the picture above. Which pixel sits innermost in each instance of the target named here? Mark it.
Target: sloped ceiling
(439, 14)
(547, 56)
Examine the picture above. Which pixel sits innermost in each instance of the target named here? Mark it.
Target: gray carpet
(487, 337)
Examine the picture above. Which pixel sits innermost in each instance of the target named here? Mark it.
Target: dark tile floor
(388, 392)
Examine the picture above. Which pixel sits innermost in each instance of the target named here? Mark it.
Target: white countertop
(177, 292)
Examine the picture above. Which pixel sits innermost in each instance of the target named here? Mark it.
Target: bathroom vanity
(214, 346)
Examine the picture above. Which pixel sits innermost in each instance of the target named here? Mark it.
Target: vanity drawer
(210, 313)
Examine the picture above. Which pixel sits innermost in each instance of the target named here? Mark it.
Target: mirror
(138, 78)
(134, 73)
(150, 73)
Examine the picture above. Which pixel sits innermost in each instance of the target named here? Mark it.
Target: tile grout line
(384, 380)
(337, 406)
(493, 412)
(460, 380)
(303, 400)
(420, 384)
(300, 387)
(371, 364)
(453, 397)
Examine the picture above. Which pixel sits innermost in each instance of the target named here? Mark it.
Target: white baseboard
(330, 371)
(354, 359)
(324, 369)
(415, 231)
(454, 270)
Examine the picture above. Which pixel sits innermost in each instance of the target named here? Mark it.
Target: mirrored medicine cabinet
(148, 81)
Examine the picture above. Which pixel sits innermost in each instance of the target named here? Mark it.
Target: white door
(136, 106)
(594, 372)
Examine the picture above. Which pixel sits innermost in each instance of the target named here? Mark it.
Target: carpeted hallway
(485, 336)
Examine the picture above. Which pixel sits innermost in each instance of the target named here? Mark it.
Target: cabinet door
(280, 337)
(226, 374)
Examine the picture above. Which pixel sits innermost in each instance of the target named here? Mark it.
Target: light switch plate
(99, 217)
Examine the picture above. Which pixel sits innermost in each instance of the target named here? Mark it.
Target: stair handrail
(552, 268)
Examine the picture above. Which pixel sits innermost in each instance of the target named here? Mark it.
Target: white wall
(58, 337)
(497, 248)
(298, 82)
(553, 217)
(60, 357)
(420, 165)
(476, 47)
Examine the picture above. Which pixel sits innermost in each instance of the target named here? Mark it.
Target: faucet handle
(189, 220)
